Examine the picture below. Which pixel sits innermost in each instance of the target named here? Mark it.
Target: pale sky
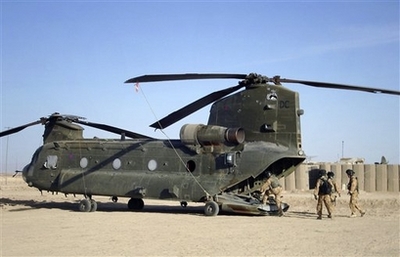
(73, 57)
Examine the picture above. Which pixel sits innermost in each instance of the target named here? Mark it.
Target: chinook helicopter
(223, 163)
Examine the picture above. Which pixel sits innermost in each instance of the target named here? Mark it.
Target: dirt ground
(51, 225)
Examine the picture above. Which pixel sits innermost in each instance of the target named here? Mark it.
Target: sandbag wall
(371, 177)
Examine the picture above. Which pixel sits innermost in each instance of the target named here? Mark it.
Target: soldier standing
(272, 186)
(335, 189)
(322, 193)
(352, 188)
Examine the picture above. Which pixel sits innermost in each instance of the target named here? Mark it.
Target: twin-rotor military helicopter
(222, 163)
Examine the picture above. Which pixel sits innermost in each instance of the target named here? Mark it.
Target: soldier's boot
(353, 215)
(363, 213)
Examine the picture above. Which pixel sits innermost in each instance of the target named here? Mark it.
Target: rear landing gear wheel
(184, 204)
(211, 208)
(93, 205)
(135, 204)
(85, 205)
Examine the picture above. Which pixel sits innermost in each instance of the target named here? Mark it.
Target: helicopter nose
(26, 174)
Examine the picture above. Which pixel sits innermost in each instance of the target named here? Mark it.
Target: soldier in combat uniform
(322, 193)
(335, 189)
(272, 186)
(352, 188)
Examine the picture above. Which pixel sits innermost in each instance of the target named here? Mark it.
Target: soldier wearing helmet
(322, 193)
(272, 187)
(335, 189)
(352, 188)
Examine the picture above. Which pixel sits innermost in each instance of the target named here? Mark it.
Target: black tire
(211, 208)
(85, 205)
(93, 205)
(184, 204)
(135, 204)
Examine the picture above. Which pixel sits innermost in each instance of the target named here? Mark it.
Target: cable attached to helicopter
(138, 88)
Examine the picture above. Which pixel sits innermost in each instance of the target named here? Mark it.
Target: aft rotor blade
(341, 86)
(112, 129)
(191, 108)
(185, 76)
(17, 129)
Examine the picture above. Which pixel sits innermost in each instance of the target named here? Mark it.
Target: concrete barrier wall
(371, 177)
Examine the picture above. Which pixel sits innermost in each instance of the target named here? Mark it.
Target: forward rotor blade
(191, 108)
(112, 129)
(341, 86)
(17, 129)
(185, 76)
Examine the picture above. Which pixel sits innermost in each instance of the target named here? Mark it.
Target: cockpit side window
(51, 162)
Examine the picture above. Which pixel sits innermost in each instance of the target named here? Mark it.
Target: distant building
(352, 160)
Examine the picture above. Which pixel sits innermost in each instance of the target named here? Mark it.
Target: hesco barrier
(371, 177)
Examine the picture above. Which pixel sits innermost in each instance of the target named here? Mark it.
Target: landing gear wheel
(135, 204)
(211, 208)
(93, 205)
(184, 204)
(85, 205)
(114, 199)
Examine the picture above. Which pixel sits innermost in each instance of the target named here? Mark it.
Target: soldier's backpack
(274, 182)
(325, 188)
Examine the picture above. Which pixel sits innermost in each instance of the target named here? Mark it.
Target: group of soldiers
(328, 196)
(326, 191)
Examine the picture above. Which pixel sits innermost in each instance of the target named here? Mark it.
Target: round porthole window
(84, 162)
(152, 165)
(190, 166)
(116, 164)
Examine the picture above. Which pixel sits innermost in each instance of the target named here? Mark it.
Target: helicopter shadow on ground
(152, 208)
(73, 206)
(26, 205)
(196, 209)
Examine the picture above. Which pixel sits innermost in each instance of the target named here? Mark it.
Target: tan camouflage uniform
(322, 198)
(272, 186)
(352, 186)
(335, 191)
